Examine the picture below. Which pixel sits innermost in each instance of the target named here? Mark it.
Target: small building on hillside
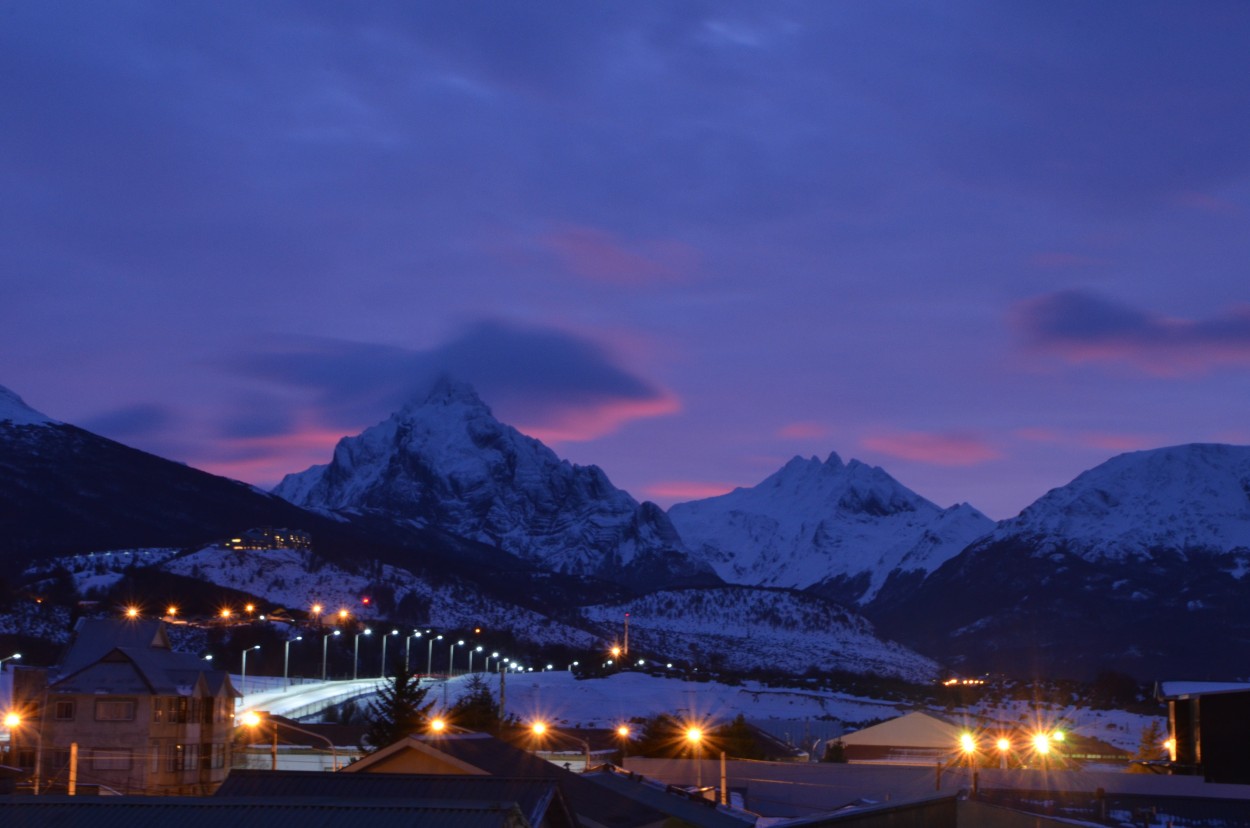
(145, 719)
(267, 537)
(1209, 723)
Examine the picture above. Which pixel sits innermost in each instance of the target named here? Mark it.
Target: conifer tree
(399, 710)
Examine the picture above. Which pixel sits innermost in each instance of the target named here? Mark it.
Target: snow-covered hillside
(285, 576)
(741, 628)
(14, 410)
(814, 522)
(1190, 498)
(446, 462)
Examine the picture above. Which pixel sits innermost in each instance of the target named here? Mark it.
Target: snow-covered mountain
(14, 411)
(846, 529)
(742, 628)
(1191, 499)
(446, 462)
(1138, 564)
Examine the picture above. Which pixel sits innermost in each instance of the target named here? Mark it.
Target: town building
(123, 712)
(1209, 724)
(267, 537)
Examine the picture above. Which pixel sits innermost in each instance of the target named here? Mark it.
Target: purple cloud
(1083, 327)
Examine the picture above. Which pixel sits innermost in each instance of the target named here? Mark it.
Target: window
(110, 759)
(60, 759)
(63, 711)
(154, 757)
(115, 710)
(176, 759)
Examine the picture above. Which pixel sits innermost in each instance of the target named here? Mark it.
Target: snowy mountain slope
(847, 528)
(1190, 498)
(744, 628)
(16, 412)
(446, 462)
(285, 576)
(1138, 564)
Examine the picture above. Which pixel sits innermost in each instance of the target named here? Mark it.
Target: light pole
(1003, 745)
(408, 650)
(384, 637)
(286, 657)
(14, 657)
(429, 656)
(451, 658)
(325, 640)
(471, 652)
(243, 677)
(13, 721)
(540, 729)
(356, 652)
(488, 658)
(253, 719)
(695, 736)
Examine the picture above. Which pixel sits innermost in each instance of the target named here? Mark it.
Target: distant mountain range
(1138, 564)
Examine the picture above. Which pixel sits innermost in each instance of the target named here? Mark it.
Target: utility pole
(625, 649)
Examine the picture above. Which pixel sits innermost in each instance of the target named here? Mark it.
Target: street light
(477, 649)
(325, 640)
(253, 719)
(286, 656)
(408, 650)
(488, 658)
(623, 733)
(429, 656)
(384, 637)
(1003, 745)
(695, 737)
(356, 652)
(243, 677)
(540, 729)
(451, 658)
(13, 721)
(14, 657)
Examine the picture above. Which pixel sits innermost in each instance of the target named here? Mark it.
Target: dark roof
(132, 656)
(700, 812)
(539, 799)
(212, 812)
(588, 800)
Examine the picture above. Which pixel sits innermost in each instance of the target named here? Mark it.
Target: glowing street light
(451, 658)
(622, 733)
(243, 677)
(356, 652)
(254, 719)
(325, 640)
(429, 655)
(437, 725)
(384, 637)
(171, 611)
(13, 721)
(477, 649)
(408, 651)
(14, 657)
(286, 655)
(540, 729)
(1003, 745)
(488, 658)
(132, 611)
(695, 737)
(1041, 743)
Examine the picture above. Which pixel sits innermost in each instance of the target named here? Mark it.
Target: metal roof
(701, 812)
(194, 812)
(539, 799)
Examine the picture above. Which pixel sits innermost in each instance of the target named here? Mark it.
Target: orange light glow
(966, 743)
(132, 612)
(1004, 745)
(694, 735)
(438, 725)
(316, 608)
(539, 728)
(623, 732)
(225, 613)
(12, 720)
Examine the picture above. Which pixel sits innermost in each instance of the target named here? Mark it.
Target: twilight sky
(982, 245)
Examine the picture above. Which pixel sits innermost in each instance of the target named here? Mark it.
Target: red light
(364, 600)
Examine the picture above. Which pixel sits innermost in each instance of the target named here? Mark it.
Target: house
(539, 800)
(915, 738)
(478, 754)
(1209, 724)
(145, 719)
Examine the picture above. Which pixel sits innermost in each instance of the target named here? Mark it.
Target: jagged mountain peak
(14, 410)
(1185, 497)
(447, 463)
(848, 526)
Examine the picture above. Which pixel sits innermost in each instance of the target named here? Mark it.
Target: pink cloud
(804, 430)
(263, 461)
(948, 449)
(676, 491)
(1081, 327)
(566, 424)
(600, 256)
(1103, 440)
